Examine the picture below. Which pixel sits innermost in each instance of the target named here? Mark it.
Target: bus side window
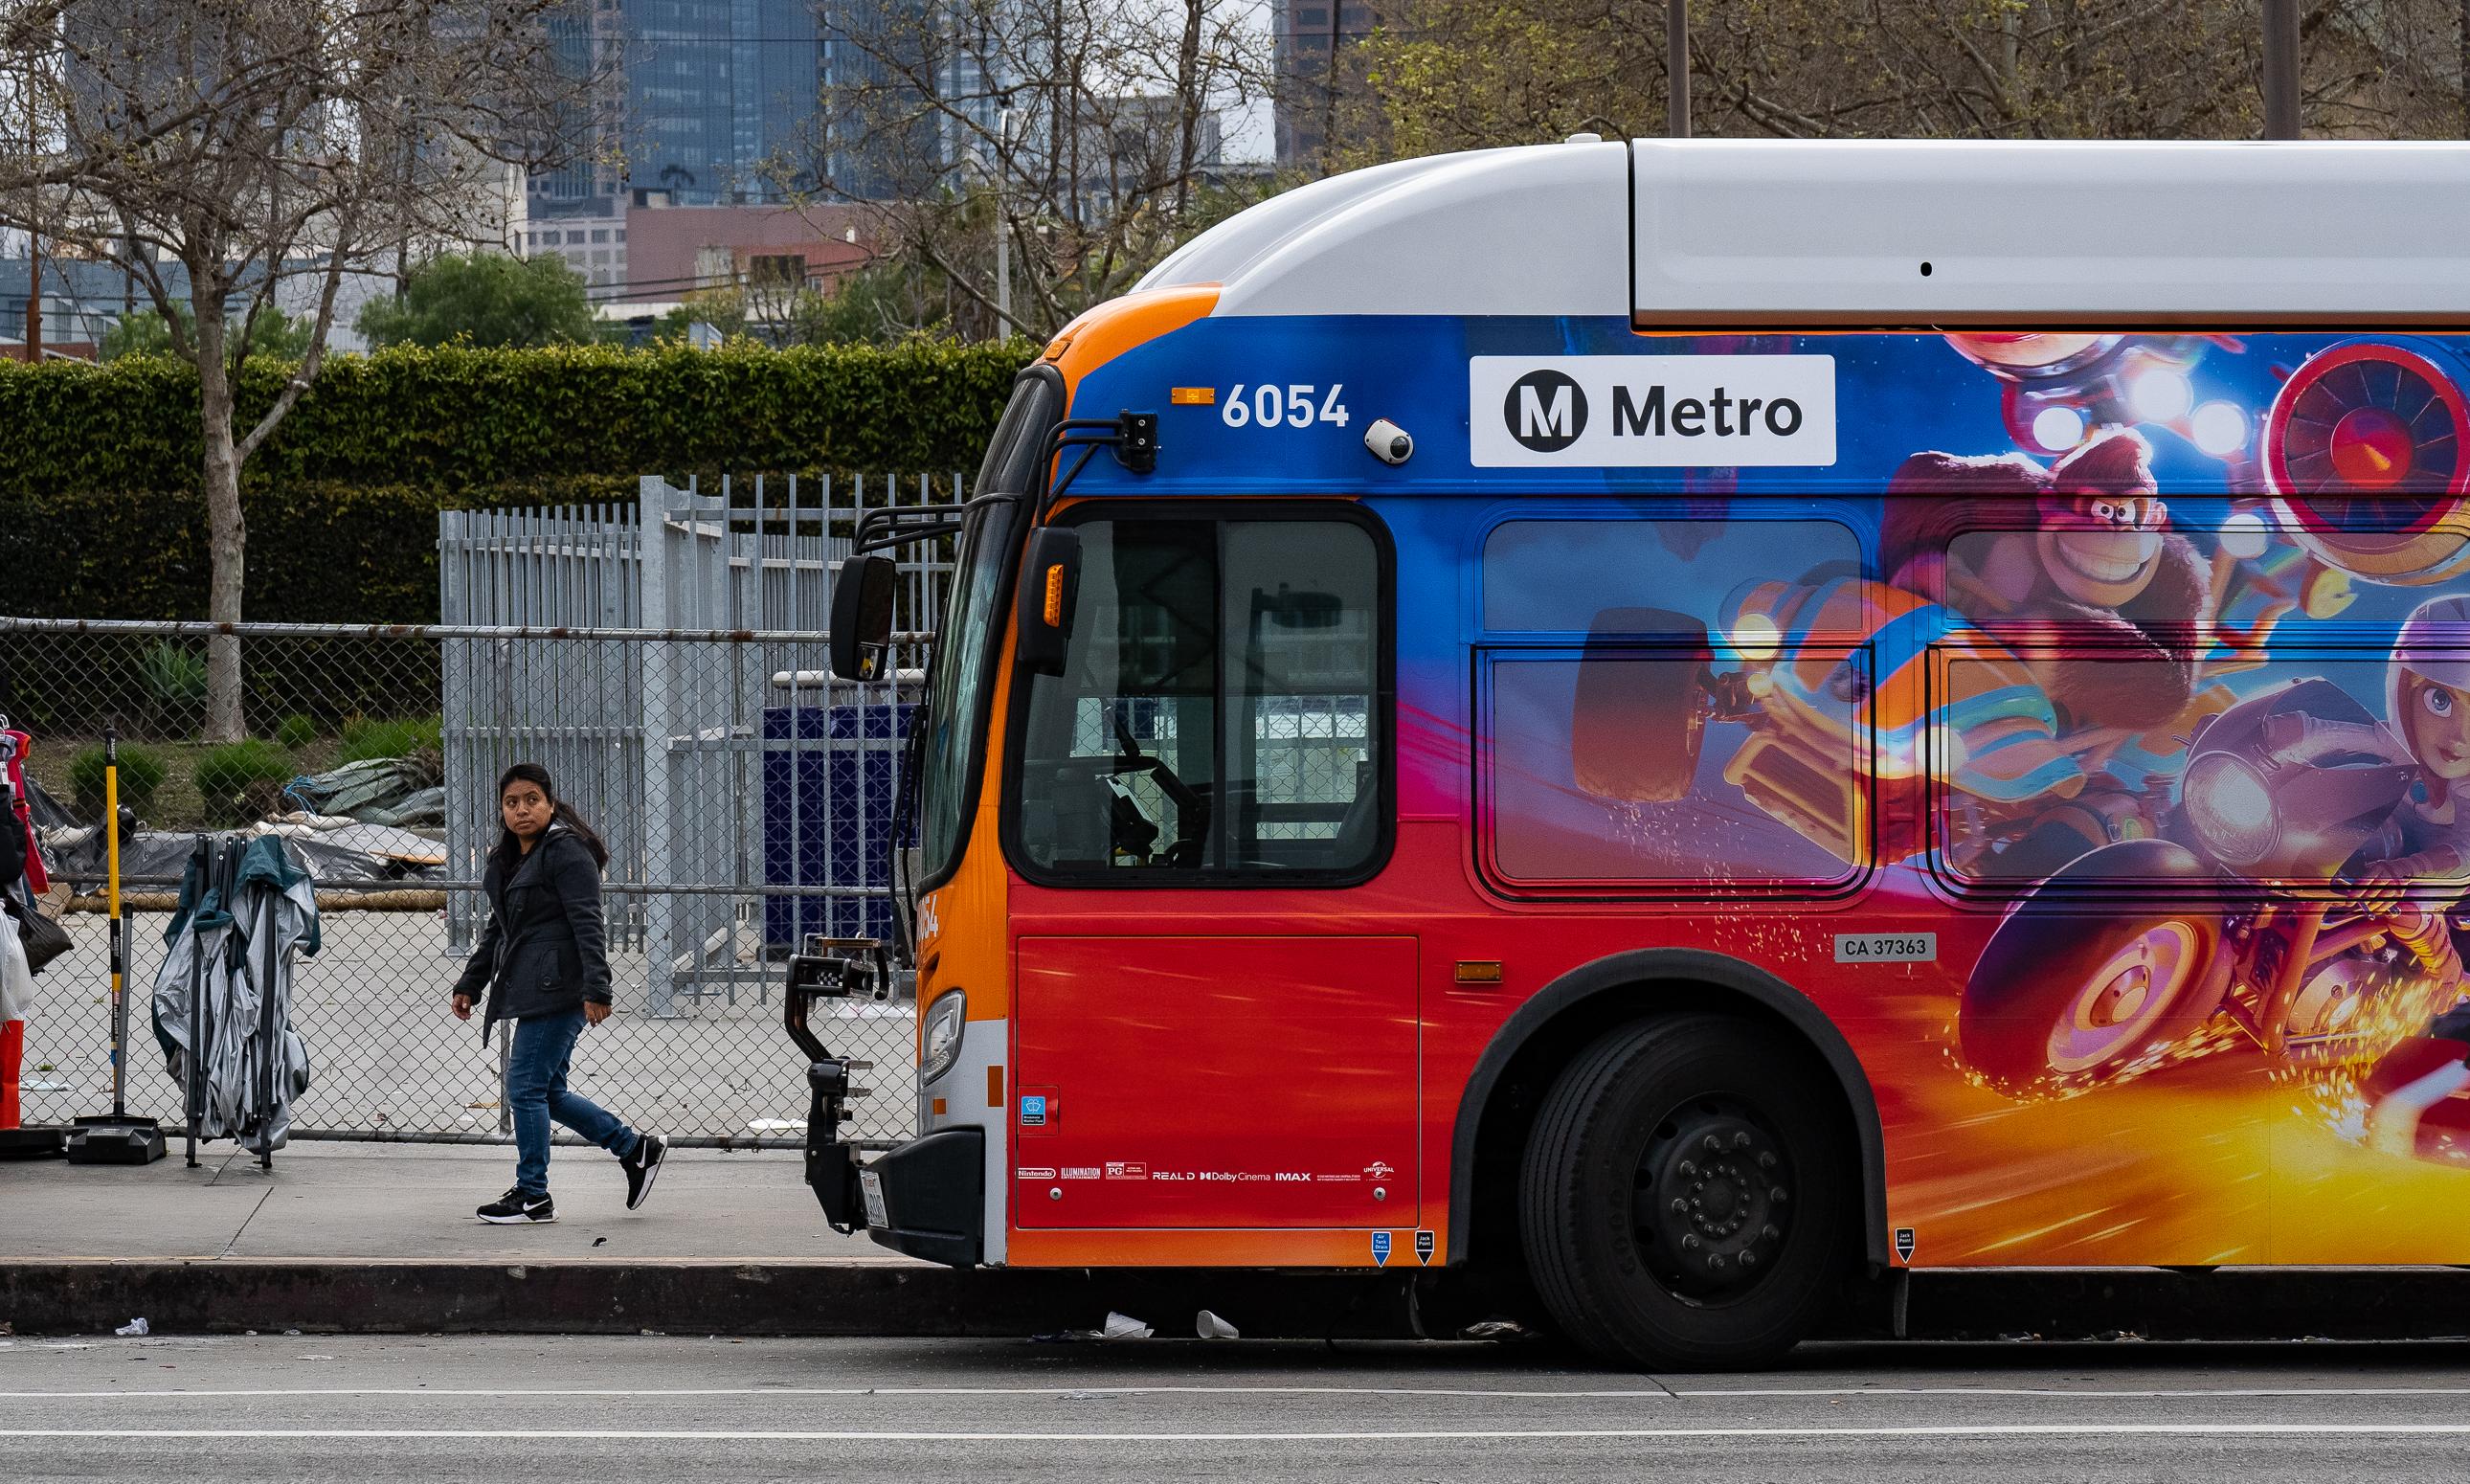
(1675, 706)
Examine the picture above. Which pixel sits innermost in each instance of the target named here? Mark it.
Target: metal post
(2280, 69)
(118, 926)
(652, 510)
(1676, 68)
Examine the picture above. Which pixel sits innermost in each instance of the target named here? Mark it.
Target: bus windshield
(955, 740)
(1220, 713)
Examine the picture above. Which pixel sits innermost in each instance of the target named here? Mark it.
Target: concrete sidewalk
(380, 1238)
(381, 1203)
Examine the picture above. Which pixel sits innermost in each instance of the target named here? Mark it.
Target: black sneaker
(515, 1207)
(642, 1168)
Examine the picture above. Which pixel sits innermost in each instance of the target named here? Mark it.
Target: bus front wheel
(1685, 1196)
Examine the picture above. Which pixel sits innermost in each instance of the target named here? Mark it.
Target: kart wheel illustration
(1640, 715)
(2067, 996)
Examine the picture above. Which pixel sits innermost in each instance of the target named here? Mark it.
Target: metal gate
(741, 791)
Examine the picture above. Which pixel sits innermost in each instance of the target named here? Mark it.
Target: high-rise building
(588, 39)
(707, 102)
(882, 139)
(722, 99)
(1310, 41)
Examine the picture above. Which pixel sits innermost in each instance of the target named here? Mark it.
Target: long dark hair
(510, 849)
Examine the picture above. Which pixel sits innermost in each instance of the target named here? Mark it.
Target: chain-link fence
(746, 797)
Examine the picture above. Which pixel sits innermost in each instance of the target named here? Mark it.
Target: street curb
(226, 1296)
(2179, 1303)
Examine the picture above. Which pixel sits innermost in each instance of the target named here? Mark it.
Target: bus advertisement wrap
(2078, 719)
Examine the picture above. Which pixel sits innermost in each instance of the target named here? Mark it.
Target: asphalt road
(666, 1408)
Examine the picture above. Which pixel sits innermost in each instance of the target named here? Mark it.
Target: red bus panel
(1216, 1081)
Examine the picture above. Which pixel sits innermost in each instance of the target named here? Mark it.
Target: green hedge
(454, 419)
(317, 552)
(100, 518)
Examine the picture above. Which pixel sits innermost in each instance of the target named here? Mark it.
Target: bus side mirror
(861, 632)
(1048, 584)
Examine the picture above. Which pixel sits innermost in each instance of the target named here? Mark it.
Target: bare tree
(234, 156)
(1453, 74)
(1035, 156)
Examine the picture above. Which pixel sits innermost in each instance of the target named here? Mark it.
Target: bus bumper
(925, 1200)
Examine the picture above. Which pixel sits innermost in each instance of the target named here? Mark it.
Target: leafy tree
(277, 334)
(485, 299)
(722, 309)
(876, 305)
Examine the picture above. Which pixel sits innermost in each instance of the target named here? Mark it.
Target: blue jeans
(536, 1091)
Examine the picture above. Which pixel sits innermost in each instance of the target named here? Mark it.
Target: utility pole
(2280, 69)
(1676, 68)
(33, 297)
(33, 243)
(1003, 227)
(1329, 87)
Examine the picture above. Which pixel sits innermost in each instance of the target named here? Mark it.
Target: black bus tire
(1625, 1133)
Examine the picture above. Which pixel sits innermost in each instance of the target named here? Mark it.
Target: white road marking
(1078, 1392)
(2155, 1394)
(1101, 1390)
(1406, 1435)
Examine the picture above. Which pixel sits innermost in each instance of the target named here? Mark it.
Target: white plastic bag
(16, 979)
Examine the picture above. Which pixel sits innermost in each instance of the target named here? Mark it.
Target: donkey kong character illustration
(2079, 550)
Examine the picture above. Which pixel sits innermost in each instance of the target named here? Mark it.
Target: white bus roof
(1727, 232)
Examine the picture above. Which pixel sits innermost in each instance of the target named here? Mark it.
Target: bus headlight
(946, 1019)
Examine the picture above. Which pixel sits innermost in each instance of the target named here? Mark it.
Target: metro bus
(1683, 721)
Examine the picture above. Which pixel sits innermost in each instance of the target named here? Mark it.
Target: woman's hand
(595, 1012)
(462, 1006)
(2379, 889)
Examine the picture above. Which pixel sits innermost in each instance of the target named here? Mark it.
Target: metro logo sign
(1640, 411)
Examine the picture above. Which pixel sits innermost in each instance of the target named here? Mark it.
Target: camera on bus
(1388, 442)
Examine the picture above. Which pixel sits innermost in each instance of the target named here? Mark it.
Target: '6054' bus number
(1293, 406)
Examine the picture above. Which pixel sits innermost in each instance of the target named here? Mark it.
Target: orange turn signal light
(1192, 396)
(1054, 609)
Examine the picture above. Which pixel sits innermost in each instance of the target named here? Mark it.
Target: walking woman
(545, 963)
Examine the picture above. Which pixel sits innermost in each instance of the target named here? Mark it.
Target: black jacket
(12, 842)
(544, 951)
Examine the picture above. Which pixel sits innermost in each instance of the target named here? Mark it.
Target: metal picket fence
(744, 796)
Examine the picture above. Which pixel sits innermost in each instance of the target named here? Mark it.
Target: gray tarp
(337, 851)
(381, 791)
(222, 1002)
